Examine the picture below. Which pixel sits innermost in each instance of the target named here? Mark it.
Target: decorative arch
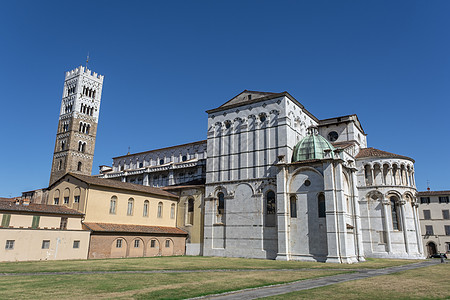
(137, 248)
(374, 195)
(395, 193)
(303, 169)
(153, 247)
(167, 249)
(119, 249)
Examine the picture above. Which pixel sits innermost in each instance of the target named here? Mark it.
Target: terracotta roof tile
(106, 227)
(434, 193)
(92, 180)
(372, 152)
(9, 205)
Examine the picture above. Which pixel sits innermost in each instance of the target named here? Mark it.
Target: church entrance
(431, 249)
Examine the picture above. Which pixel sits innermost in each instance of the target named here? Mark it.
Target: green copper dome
(311, 146)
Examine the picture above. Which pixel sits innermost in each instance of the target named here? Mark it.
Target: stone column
(357, 217)
(404, 225)
(372, 174)
(145, 182)
(282, 214)
(417, 227)
(171, 179)
(333, 242)
(390, 176)
(386, 211)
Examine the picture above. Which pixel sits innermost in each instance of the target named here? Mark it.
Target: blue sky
(167, 62)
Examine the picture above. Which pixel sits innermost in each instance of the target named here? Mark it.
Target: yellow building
(191, 215)
(32, 231)
(124, 219)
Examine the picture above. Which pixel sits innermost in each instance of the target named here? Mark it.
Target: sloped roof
(11, 206)
(165, 148)
(106, 227)
(344, 144)
(242, 99)
(92, 180)
(372, 152)
(434, 193)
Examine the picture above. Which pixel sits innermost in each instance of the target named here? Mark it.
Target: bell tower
(77, 125)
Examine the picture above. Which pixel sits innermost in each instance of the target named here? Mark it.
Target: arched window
(271, 203)
(221, 203)
(190, 212)
(271, 209)
(395, 214)
(368, 174)
(113, 205)
(172, 211)
(79, 166)
(293, 202)
(160, 209)
(88, 128)
(81, 127)
(130, 207)
(79, 145)
(83, 147)
(145, 212)
(59, 164)
(321, 206)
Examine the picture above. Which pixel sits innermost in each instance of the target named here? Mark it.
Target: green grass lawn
(144, 286)
(423, 283)
(183, 263)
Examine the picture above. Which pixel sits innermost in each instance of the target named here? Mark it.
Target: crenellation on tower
(77, 126)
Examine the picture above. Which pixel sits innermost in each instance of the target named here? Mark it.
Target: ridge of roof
(373, 152)
(160, 149)
(112, 227)
(271, 96)
(92, 180)
(9, 205)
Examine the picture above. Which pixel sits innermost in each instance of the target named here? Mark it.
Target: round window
(307, 182)
(161, 161)
(227, 125)
(333, 136)
(262, 117)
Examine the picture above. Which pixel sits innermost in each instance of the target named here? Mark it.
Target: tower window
(79, 166)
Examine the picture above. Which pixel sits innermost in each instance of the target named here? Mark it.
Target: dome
(311, 146)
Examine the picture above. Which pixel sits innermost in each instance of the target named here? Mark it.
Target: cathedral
(270, 181)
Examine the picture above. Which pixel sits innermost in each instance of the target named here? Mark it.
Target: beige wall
(28, 244)
(95, 203)
(98, 207)
(45, 222)
(439, 238)
(104, 246)
(70, 185)
(195, 230)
